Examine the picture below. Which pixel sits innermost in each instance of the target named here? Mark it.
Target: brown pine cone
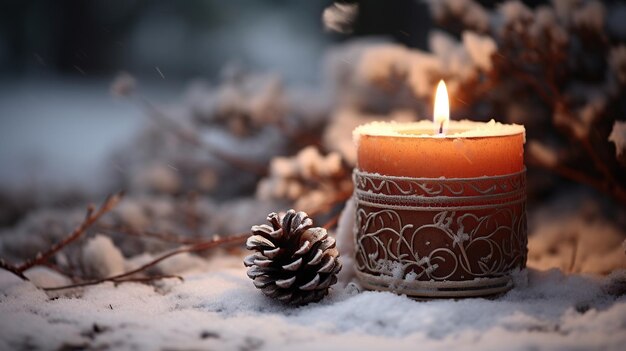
(294, 261)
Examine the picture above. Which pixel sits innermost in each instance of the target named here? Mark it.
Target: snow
(101, 258)
(308, 178)
(423, 129)
(220, 308)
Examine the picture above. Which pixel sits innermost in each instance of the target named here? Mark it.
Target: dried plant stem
(581, 177)
(544, 82)
(147, 279)
(230, 240)
(41, 258)
(163, 236)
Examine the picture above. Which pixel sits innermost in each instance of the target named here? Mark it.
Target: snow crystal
(340, 18)
(480, 49)
(101, 258)
(618, 137)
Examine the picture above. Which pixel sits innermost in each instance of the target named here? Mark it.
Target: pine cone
(294, 262)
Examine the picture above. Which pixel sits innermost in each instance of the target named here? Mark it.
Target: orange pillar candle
(440, 205)
(468, 149)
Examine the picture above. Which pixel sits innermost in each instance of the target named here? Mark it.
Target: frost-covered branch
(126, 276)
(41, 258)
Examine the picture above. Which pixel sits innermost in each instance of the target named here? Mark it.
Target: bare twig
(583, 178)
(163, 236)
(229, 240)
(148, 279)
(42, 257)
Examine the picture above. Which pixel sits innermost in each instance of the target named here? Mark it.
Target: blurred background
(251, 104)
(57, 59)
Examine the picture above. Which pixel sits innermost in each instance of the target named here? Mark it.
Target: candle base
(438, 237)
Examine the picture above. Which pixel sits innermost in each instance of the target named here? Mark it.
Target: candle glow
(441, 115)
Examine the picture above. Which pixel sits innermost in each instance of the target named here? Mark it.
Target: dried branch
(163, 236)
(229, 240)
(42, 257)
(541, 68)
(581, 177)
(147, 279)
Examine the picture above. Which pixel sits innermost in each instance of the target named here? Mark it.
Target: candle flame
(441, 116)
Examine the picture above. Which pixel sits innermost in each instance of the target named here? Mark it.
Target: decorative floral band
(431, 187)
(411, 232)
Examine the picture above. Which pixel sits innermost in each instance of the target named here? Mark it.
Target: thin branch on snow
(216, 242)
(163, 236)
(41, 258)
(147, 279)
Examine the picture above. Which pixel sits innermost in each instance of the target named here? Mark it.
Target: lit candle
(452, 149)
(440, 205)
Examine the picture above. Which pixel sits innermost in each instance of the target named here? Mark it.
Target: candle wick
(441, 128)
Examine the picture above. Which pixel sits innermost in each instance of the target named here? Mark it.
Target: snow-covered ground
(218, 308)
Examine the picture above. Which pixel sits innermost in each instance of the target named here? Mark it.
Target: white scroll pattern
(439, 186)
(386, 243)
